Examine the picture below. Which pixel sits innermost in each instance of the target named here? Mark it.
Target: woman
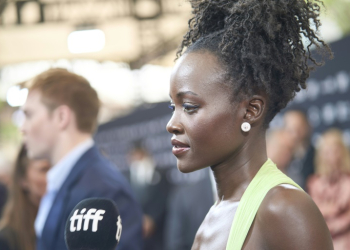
(27, 187)
(244, 62)
(330, 187)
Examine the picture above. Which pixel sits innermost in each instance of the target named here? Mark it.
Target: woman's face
(205, 123)
(35, 182)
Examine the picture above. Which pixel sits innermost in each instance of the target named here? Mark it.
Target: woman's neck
(234, 175)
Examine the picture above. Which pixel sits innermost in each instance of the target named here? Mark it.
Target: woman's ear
(255, 110)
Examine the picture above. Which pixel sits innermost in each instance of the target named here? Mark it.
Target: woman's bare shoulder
(289, 219)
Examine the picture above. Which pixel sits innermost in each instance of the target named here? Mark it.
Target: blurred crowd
(59, 165)
(322, 170)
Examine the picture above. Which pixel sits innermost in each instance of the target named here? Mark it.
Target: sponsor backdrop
(326, 100)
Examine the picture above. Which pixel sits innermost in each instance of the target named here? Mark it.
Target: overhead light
(147, 9)
(86, 41)
(16, 96)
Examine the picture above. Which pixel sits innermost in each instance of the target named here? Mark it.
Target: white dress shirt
(55, 179)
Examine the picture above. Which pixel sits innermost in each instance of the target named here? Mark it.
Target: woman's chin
(184, 168)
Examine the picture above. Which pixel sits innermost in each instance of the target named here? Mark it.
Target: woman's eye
(190, 108)
(172, 106)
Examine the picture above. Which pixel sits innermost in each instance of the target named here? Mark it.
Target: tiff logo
(119, 229)
(93, 214)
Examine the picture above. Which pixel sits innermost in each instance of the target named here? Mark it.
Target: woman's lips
(179, 147)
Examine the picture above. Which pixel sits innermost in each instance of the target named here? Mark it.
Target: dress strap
(267, 178)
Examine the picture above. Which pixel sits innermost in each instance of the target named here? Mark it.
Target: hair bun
(260, 43)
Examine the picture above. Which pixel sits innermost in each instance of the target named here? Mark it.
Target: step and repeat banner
(326, 101)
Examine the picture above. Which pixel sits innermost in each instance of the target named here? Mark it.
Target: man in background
(61, 116)
(299, 129)
(280, 148)
(151, 188)
(187, 207)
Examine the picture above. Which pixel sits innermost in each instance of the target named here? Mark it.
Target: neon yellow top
(267, 177)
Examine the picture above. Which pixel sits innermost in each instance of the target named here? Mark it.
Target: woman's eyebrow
(182, 93)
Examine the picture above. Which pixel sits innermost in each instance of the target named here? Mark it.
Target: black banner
(326, 100)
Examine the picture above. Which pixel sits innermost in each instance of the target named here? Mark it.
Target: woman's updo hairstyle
(264, 45)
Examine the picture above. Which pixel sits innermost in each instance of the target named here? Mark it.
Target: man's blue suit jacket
(93, 176)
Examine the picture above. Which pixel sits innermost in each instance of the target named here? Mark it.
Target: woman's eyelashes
(188, 108)
(172, 106)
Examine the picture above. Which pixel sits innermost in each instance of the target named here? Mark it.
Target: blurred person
(187, 207)
(28, 186)
(302, 164)
(151, 188)
(279, 146)
(3, 197)
(330, 186)
(61, 116)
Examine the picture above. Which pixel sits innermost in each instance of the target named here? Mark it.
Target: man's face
(39, 128)
(296, 126)
(280, 148)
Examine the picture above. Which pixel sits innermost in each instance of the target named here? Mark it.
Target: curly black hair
(260, 44)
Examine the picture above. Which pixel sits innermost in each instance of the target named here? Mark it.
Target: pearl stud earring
(245, 127)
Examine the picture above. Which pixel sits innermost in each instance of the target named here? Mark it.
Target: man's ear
(63, 116)
(255, 110)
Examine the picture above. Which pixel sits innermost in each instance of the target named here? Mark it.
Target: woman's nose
(174, 126)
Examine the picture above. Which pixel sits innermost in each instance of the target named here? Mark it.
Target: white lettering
(77, 217)
(87, 217)
(119, 229)
(96, 219)
(343, 81)
(80, 221)
(93, 214)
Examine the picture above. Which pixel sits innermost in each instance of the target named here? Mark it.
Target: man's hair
(61, 87)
